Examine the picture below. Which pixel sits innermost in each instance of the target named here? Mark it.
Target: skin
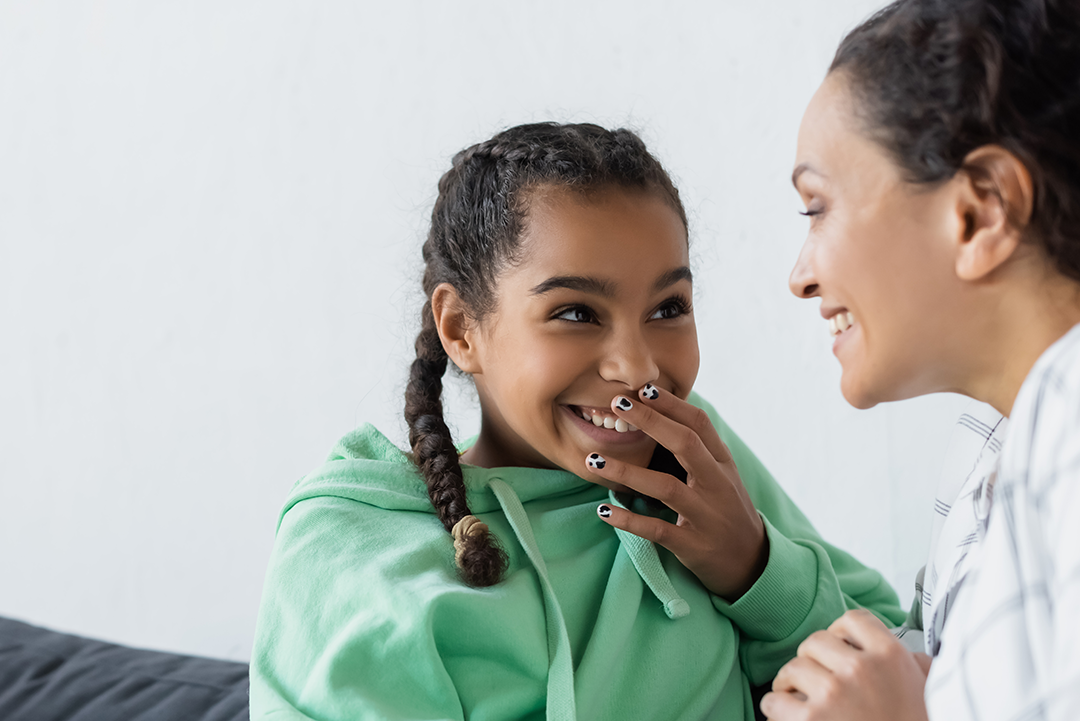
(947, 295)
(552, 346)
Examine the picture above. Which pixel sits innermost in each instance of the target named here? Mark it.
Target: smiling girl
(483, 581)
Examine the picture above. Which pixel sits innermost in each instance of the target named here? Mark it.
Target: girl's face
(598, 306)
(880, 255)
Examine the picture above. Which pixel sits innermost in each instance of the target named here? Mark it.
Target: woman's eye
(811, 212)
(577, 314)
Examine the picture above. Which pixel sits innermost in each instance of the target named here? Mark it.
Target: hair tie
(467, 526)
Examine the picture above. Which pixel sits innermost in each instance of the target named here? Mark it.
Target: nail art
(650, 392)
(623, 403)
(596, 461)
(604, 510)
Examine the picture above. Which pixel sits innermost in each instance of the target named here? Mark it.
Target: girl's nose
(802, 281)
(630, 361)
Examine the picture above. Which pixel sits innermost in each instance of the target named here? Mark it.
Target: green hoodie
(363, 615)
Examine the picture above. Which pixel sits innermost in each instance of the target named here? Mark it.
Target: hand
(854, 671)
(719, 535)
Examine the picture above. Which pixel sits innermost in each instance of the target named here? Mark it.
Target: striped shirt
(1011, 647)
(960, 513)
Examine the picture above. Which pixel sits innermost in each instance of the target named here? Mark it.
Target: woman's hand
(719, 535)
(856, 670)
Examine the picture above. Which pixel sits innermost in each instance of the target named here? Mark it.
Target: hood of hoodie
(366, 466)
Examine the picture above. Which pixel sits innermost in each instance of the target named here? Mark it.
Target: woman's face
(879, 254)
(598, 306)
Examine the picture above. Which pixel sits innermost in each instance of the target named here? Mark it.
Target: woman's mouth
(840, 323)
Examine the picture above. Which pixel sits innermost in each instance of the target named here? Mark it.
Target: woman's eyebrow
(799, 170)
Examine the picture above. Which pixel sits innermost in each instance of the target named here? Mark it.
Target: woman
(940, 166)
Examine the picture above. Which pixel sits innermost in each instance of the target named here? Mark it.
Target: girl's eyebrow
(603, 288)
(672, 277)
(585, 284)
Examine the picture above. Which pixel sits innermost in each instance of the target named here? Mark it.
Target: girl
(484, 583)
(940, 165)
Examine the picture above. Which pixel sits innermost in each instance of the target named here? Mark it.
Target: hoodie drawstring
(647, 562)
(560, 686)
(561, 703)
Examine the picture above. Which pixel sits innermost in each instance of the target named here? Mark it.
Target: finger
(670, 405)
(924, 662)
(683, 441)
(663, 487)
(863, 630)
(829, 650)
(783, 706)
(805, 676)
(651, 529)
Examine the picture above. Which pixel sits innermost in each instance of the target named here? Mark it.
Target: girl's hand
(719, 535)
(854, 671)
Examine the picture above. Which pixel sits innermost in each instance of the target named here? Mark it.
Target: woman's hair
(476, 227)
(935, 79)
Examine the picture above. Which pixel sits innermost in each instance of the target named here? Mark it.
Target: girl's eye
(576, 314)
(672, 308)
(811, 212)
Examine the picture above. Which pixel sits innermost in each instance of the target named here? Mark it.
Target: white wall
(210, 221)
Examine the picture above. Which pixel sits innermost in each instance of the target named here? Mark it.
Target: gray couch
(50, 676)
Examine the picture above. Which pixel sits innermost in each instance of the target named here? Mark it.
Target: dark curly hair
(476, 226)
(935, 79)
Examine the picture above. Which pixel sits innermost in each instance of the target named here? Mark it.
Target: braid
(482, 562)
(475, 231)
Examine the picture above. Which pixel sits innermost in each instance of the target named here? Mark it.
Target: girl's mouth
(602, 418)
(602, 426)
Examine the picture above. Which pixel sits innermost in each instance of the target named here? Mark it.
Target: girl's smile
(597, 305)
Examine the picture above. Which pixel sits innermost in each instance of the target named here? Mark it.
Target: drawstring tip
(676, 608)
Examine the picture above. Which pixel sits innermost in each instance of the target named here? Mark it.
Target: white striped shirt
(1011, 647)
(969, 466)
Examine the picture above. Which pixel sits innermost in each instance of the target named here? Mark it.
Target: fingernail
(623, 403)
(604, 510)
(649, 392)
(596, 461)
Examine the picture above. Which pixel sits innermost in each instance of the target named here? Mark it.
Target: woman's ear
(995, 206)
(455, 329)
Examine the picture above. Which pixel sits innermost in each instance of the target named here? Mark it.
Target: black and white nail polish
(604, 510)
(649, 392)
(623, 403)
(596, 461)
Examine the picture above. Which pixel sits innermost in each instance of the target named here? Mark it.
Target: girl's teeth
(601, 421)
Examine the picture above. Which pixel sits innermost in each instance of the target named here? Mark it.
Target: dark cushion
(50, 676)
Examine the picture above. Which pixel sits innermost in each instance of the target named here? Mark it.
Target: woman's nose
(802, 280)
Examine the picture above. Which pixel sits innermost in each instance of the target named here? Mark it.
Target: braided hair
(935, 79)
(476, 226)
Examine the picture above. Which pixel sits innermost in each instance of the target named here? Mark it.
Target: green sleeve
(807, 583)
(341, 633)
